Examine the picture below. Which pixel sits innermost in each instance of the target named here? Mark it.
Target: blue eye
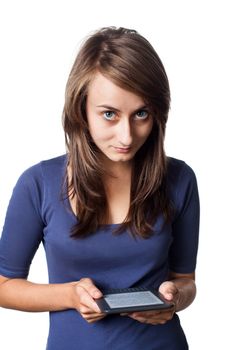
(109, 115)
(141, 115)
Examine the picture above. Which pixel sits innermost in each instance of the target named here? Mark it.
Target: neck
(118, 173)
(117, 169)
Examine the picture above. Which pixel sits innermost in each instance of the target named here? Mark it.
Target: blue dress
(38, 214)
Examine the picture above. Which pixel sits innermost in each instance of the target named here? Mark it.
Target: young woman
(114, 212)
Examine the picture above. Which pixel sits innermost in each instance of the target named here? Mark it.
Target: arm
(20, 294)
(23, 228)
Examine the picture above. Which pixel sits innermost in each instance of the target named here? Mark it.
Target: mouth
(122, 149)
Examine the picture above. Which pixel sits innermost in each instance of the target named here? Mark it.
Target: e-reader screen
(131, 299)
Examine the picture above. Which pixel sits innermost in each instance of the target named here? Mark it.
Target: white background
(197, 42)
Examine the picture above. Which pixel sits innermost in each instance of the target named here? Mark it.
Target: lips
(122, 149)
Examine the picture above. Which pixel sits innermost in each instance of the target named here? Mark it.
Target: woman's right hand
(83, 299)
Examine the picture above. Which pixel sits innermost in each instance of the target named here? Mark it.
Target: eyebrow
(118, 110)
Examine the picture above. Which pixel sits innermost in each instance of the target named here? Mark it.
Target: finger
(88, 311)
(93, 316)
(160, 319)
(88, 314)
(88, 284)
(95, 319)
(150, 320)
(168, 290)
(86, 300)
(167, 287)
(154, 315)
(147, 315)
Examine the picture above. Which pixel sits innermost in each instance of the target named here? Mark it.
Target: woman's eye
(109, 115)
(142, 114)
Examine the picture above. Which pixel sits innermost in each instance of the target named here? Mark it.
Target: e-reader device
(131, 299)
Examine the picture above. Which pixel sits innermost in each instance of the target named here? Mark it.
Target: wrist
(72, 295)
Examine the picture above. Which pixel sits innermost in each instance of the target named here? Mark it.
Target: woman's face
(119, 121)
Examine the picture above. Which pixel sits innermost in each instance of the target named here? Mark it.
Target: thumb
(90, 287)
(168, 290)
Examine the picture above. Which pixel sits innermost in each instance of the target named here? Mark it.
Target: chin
(125, 158)
(119, 157)
(116, 157)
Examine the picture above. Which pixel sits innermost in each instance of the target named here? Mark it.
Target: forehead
(103, 90)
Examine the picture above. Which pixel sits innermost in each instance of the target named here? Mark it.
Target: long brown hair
(128, 60)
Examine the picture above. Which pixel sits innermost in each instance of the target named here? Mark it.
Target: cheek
(94, 127)
(145, 132)
(99, 133)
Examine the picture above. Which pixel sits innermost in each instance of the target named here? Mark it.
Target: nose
(124, 132)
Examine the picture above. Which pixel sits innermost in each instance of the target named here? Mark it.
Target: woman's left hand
(170, 292)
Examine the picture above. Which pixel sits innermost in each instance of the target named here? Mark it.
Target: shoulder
(179, 173)
(181, 181)
(54, 168)
(39, 182)
(177, 168)
(51, 167)
(46, 171)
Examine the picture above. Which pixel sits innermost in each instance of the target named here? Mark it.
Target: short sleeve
(183, 251)
(23, 227)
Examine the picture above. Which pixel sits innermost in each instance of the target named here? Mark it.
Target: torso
(110, 260)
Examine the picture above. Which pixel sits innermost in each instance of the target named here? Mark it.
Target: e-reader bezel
(106, 308)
